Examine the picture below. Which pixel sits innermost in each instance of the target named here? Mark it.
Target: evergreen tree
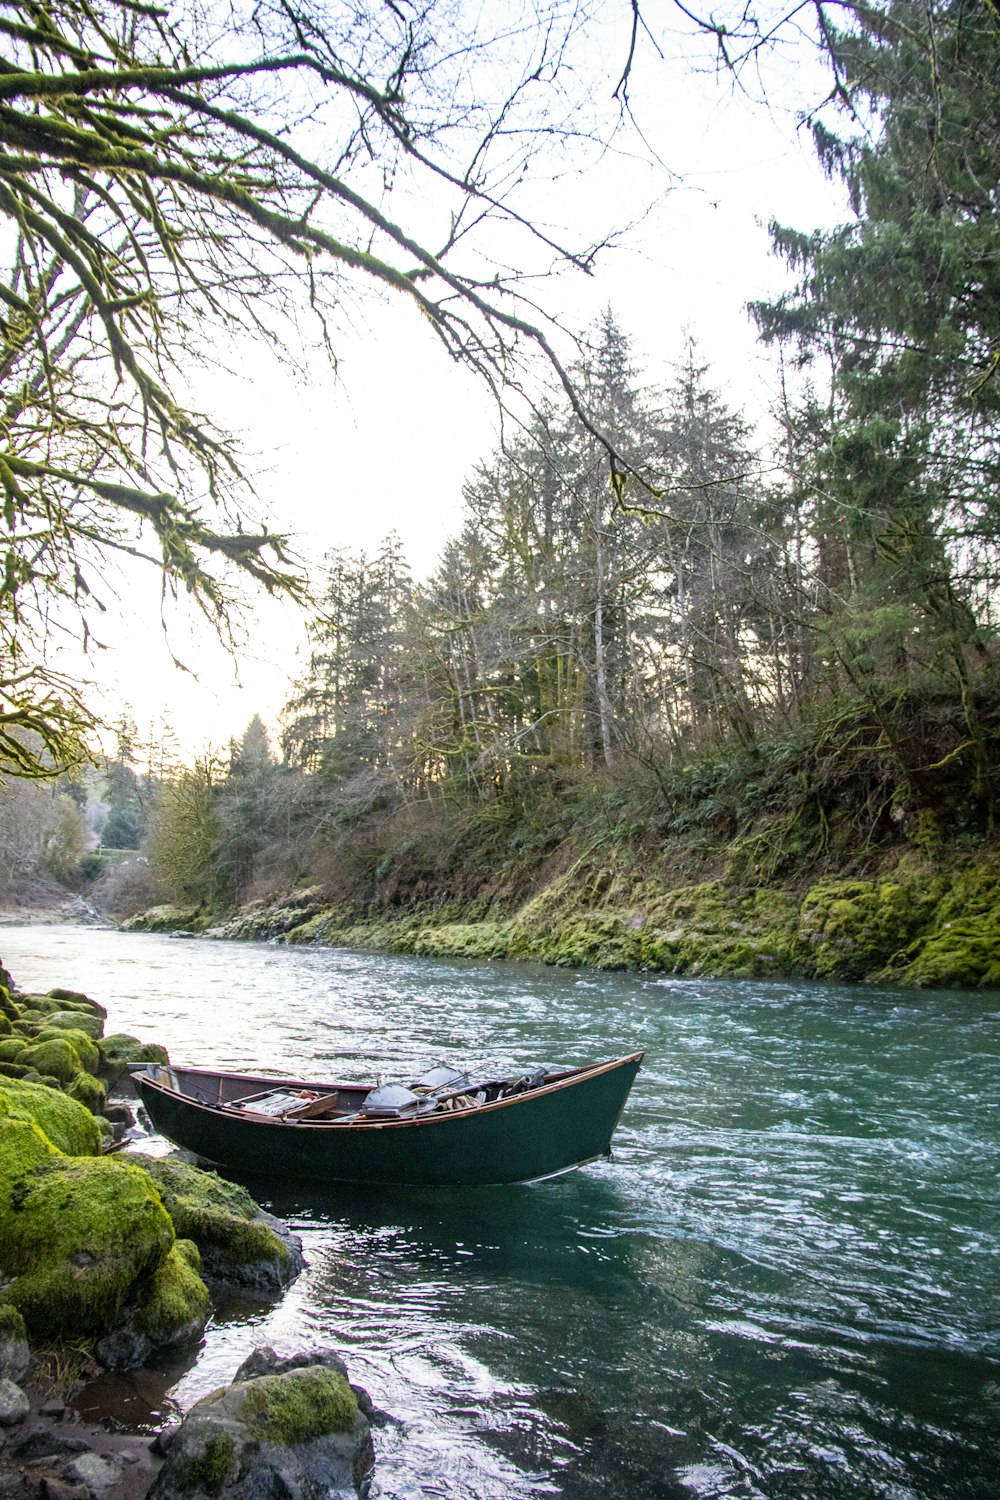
(905, 302)
(715, 552)
(343, 714)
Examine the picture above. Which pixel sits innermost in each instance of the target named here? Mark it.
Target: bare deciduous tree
(170, 176)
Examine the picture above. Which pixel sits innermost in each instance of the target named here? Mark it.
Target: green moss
(319, 928)
(208, 1470)
(11, 1323)
(77, 1021)
(11, 1048)
(75, 1237)
(44, 1005)
(464, 940)
(962, 954)
(596, 940)
(90, 1092)
(66, 1123)
(84, 1046)
(120, 1049)
(56, 1057)
(23, 1147)
(299, 1405)
(212, 1212)
(167, 919)
(7, 1006)
(176, 1296)
(6, 1029)
(29, 1022)
(74, 1000)
(15, 1070)
(852, 927)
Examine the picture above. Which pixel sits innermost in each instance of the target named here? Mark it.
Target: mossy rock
(6, 1028)
(319, 928)
(30, 1021)
(67, 1124)
(205, 1472)
(299, 1405)
(963, 954)
(76, 1235)
(167, 918)
(11, 1323)
(44, 1005)
(12, 1047)
(7, 1006)
(120, 1049)
(595, 940)
(77, 1020)
(297, 1429)
(176, 1304)
(16, 1070)
(850, 928)
(74, 1000)
(464, 940)
(23, 1147)
(219, 1216)
(83, 1045)
(56, 1057)
(89, 1091)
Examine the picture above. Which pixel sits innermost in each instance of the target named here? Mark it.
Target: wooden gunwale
(557, 1084)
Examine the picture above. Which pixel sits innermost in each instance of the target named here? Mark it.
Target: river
(784, 1284)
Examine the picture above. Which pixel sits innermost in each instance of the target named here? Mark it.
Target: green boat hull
(539, 1133)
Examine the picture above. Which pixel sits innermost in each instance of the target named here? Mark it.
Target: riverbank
(110, 1258)
(916, 920)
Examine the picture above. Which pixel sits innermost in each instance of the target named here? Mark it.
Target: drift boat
(440, 1129)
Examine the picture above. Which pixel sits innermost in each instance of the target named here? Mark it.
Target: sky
(387, 444)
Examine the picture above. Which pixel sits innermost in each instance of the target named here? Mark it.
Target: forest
(679, 693)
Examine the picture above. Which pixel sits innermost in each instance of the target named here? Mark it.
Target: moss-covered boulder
(74, 1000)
(295, 1428)
(958, 945)
(83, 1045)
(76, 1236)
(241, 1246)
(55, 1057)
(90, 1092)
(959, 954)
(175, 1306)
(464, 940)
(76, 1021)
(30, 1003)
(167, 918)
(120, 1049)
(64, 1122)
(849, 928)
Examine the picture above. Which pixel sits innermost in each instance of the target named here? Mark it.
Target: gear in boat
(442, 1088)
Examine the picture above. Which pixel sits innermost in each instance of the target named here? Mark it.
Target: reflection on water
(783, 1285)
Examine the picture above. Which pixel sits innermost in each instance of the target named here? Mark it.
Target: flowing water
(784, 1284)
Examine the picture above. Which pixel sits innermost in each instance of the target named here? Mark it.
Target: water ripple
(784, 1285)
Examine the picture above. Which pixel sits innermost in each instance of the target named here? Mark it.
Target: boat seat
(287, 1104)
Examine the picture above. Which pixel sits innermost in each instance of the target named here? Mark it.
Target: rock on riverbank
(121, 1254)
(291, 1426)
(914, 923)
(285, 1426)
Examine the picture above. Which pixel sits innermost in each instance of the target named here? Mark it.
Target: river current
(784, 1284)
